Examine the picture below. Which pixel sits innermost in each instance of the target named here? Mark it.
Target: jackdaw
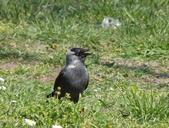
(73, 78)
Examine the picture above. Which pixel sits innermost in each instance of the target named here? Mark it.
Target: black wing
(57, 83)
(59, 80)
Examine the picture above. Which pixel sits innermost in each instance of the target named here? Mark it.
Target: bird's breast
(76, 77)
(71, 66)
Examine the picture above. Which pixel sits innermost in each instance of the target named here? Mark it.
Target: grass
(128, 68)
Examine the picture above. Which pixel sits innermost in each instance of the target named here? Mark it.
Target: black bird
(73, 78)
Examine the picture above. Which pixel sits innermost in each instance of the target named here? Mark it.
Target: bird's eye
(76, 51)
(73, 50)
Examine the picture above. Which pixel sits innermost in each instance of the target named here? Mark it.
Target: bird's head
(77, 54)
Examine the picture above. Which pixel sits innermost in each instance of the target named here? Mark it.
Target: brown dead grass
(51, 76)
(8, 65)
(157, 73)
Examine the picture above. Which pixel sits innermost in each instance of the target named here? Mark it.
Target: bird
(73, 78)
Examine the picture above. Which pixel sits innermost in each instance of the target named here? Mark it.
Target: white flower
(95, 90)
(56, 126)
(3, 88)
(111, 89)
(2, 79)
(13, 101)
(29, 122)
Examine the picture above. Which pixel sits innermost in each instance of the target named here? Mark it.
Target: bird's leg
(62, 94)
(74, 97)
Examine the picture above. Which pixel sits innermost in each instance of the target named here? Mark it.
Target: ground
(128, 68)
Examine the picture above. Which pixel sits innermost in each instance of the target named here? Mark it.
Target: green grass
(129, 76)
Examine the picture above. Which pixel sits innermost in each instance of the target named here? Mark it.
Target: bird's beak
(85, 52)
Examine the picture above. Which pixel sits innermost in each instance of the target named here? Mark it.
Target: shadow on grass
(142, 69)
(18, 54)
